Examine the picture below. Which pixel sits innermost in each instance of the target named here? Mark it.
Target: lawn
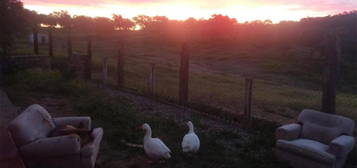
(121, 119)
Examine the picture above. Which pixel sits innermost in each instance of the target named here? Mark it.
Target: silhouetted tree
(62, 18)
(143, 21)
(83, 24)
(12, 21)
(66, 21)
(219, 26)
(121, 23)
(103, 26)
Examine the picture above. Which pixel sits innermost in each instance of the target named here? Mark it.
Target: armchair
(31, 129)
(317, 140)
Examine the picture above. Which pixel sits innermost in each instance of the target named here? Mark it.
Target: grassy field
(217, 75)
(121, 120)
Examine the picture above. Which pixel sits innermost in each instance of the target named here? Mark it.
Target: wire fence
(147, 70)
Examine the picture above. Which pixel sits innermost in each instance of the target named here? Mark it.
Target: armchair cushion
(324, 127)
(341, 146)
(78, 122)
(34, 123)
(288, 132)
(319, 133)
(54, 146)
(307, 148)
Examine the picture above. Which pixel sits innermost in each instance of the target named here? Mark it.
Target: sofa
(316, 140)
(31, 129)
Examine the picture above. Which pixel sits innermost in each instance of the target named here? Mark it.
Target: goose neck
(190, 126)
(147, 134)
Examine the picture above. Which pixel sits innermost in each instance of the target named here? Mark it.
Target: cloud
(64, 2)
(319, 5)
(180, 9)
(316, 5)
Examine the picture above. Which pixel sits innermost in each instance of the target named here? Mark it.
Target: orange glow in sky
(242, 10)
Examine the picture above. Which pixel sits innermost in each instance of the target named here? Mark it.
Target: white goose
(154, 147)
(190, 142)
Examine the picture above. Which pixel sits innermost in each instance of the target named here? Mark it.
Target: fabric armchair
(320, 140)
(31, 129)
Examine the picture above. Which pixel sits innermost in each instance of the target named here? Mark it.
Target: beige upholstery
(317, 140)
(30, 131)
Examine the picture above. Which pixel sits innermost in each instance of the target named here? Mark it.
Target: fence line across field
(119, 73)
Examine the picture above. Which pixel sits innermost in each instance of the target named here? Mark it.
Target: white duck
(190, 142)
(154, 147)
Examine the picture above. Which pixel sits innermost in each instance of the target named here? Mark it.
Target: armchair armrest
(84, 122)
(288, 132)
(341, 146)
(93, 147)
(54, 146)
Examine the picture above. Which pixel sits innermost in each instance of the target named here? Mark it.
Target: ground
(121, 113)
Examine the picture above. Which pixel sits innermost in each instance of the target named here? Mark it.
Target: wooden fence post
(50, 46)
(120, 68)
(248, 98)
(152, 81)
(184, 75)
(105, 70)
(330, 51)
(1, 68)
(88, 66)
(35, 40)
(69, 43)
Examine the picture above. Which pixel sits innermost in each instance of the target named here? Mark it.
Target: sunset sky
(243, 10)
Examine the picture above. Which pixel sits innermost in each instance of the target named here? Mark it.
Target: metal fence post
(248, 97)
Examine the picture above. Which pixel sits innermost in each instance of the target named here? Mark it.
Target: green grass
(216, 75)
(121, 120)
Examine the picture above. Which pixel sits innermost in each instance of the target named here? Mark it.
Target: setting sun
(274, 10)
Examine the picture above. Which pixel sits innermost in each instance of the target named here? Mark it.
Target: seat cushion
(307, 148)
